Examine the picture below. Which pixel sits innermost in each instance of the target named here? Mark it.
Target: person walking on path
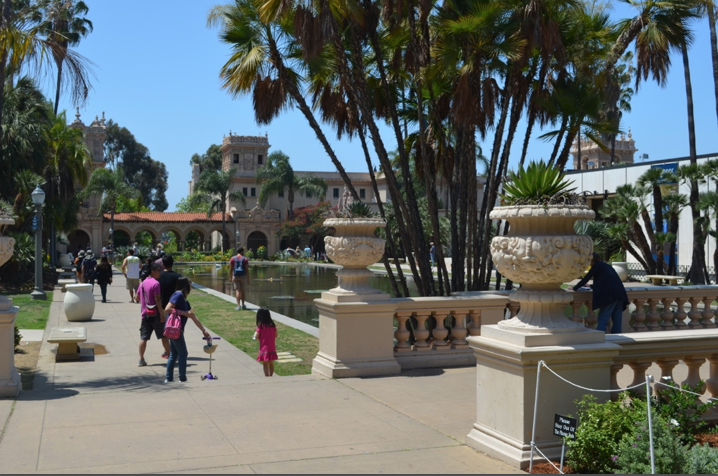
(178, 347)
(135, 249)
(267, 335)
(239, 265)
(168, 284)
(609, 295)
(131, 270)
(78, 265)
(432, 254)
(153, 316)
(103, 275)
(88, 268)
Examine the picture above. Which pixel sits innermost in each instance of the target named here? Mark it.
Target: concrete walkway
(103, 414)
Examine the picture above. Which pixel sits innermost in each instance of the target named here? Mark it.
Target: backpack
(173, 325)
(88, 266)
(240, 269)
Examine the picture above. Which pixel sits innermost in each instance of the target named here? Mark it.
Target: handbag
(173, 325)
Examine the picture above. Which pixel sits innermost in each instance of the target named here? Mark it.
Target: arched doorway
(255, 240)
(194, 240)
(79, 240)
(170, 240)
(145, 239)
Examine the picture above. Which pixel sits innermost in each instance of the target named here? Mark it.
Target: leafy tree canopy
(191, 204)
(143, 173)
(210, 160)
(307, 221)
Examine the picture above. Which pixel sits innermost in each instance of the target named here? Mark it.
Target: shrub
(702, 460)
(686, 409)
(601, 427)
(634, 452)
(262, 252)
(18, 336)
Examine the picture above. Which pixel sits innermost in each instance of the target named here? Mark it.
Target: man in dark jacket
(609, 295)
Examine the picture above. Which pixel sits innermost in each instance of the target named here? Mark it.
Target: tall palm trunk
(4, 22)
(57, 87)
(697, 271)
(714, 53)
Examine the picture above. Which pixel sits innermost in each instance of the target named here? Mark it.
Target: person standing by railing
(609, 295)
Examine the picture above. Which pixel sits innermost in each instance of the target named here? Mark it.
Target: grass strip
(237, 328)
(33, 314)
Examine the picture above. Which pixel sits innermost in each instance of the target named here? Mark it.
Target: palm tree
(215, 187)
(675, 203)
(692, 175)
(654, 178)
(709, 202)
(110, 185)
(277, 175)
(65, 24)
(258, 66)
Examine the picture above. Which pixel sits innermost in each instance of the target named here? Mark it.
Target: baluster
(639, 368)
(475, 322)
(694, 372)
(653, 316)
(667, 367)
(707, 313)
(440, 331)
(712, 386)
(694, 314)
(402, 333)
(639, 317)
(459, 331)
(591, 318)
(614, 380)
(421, 333)
(667, 314)
(681, 313)
(576, 305)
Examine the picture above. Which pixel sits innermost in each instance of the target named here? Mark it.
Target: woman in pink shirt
(267, 335)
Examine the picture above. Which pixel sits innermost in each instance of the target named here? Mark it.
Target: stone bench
(657, 279)
(65, 282)
(67, 339)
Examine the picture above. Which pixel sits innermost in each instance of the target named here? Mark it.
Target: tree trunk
(697, 275)
(714, 54)
(5, 21)
(580, 165)
(57, 88)
(559, 139)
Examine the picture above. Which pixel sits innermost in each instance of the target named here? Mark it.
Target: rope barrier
(685, 391)
(542, 363)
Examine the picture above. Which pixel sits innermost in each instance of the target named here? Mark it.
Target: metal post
(533, 428)
(563, 452)
(649, 380)
(38, 294)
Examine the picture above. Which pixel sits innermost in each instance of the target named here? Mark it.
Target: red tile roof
(167, 217)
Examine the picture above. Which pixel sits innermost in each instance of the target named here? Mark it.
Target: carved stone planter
(541, 252)
(621, 268)
(355, 247)
(79, 302)
(9, 377)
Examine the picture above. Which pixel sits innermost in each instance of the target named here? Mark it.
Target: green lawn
(33, 314)
(237, 327)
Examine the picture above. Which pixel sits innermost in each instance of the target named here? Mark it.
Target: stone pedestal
(9, 377)
(506, 388)
(355, 339)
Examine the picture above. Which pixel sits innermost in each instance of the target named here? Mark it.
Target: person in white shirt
(131, 270)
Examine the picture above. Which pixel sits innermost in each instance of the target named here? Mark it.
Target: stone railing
(692, 347)
(431, 332)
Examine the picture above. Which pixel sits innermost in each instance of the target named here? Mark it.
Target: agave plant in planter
(541, 250)
(354, 246)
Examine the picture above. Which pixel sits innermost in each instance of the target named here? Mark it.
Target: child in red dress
(267, 335)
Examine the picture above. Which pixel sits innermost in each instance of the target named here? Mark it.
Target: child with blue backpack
(239, 267)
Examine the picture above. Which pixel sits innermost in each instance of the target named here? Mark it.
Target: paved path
(106, 415)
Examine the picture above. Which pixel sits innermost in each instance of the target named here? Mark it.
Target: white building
(601, 183)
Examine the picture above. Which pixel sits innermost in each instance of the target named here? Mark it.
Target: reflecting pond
(286, 289)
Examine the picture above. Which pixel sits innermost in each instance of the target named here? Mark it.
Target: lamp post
(38, 198)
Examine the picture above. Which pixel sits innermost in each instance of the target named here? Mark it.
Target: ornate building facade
(593, 157)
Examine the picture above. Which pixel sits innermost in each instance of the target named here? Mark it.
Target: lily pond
(286, 289)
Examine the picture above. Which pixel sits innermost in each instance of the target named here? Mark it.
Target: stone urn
(621, 268)
(354, 247)
(65, 261)
(79, 303)
(541, 252)
(9, 376)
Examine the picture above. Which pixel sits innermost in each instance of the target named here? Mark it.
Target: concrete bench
(657, 279)
(67, 340)
(65, 282)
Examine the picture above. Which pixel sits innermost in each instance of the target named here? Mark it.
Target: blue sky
(157, 67)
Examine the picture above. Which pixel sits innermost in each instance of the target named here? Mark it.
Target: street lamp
(38, 198)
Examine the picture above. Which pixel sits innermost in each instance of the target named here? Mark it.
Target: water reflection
(288, 290)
